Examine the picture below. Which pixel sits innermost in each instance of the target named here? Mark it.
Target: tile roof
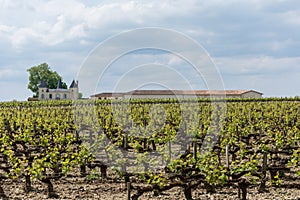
(189, 92)
(43, 84)
(59, 84)
(109, 94)
(74, 84)
(176, 92)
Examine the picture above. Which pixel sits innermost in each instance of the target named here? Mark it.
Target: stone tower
(43, 88)
(74, 90)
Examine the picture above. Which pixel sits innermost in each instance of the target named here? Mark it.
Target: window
(57, 96)
(65, 96)
(42, 96)
(50, 96)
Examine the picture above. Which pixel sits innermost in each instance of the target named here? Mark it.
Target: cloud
(252, 39)
(224, 27)
(54, 22)
(252, 27)
(260, 65)
(10, 73)
(163, 67)
(273, 76)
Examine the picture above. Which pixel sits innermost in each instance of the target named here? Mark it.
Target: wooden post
(170, 152)
(195, 150)
(265, 163)
(227, 156)
(91, 137)
(125, 141)
(260, 133)
(128, 191)
(262, 186)
(28, 187)
(145, 144)
(103, 170)
(153, 145)
(262, 120)
(188, 191)
(249, 115)
(242, 193)
(83, 170)
(126, 178)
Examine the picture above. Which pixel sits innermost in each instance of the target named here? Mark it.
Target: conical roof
(74, 84)
(43, 84)
(59, 84)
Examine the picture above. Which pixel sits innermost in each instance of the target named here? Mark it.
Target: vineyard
(153, 146)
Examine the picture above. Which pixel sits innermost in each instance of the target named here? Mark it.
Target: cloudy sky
(254, 44)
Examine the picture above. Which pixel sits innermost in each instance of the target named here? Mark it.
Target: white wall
(159, 96)
(251, 94)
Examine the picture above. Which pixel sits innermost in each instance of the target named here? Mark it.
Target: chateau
(59, 93)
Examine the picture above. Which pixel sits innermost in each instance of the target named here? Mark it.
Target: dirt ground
(114, 189)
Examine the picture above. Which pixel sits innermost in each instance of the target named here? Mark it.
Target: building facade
(59, 93)
(178, 94)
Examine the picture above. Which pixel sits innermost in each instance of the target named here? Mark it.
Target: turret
(74, 90)
(42, 90)
(59, 84)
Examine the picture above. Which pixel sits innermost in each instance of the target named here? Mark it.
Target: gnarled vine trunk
(51, 192)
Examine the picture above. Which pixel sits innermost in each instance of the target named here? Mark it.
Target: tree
(43, 72)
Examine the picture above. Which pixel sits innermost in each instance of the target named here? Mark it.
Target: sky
(252, 44)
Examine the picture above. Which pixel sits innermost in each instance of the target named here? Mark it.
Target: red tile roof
(189, 92)
(109, 94)
(176, 92)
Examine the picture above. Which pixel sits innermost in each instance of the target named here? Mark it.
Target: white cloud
(6, 29)
(270, 75)
(175, 60)
(54, 22)
(258, 65)
(22, 37)
(10, 73)
(251, 39)
(292, 17)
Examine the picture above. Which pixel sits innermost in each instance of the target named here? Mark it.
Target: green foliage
(248, 128)
(94, 175)
(39, 142)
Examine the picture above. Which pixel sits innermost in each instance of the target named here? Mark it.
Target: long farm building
(179, 94)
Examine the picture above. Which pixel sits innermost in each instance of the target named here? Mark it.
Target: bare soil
(114, 188)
